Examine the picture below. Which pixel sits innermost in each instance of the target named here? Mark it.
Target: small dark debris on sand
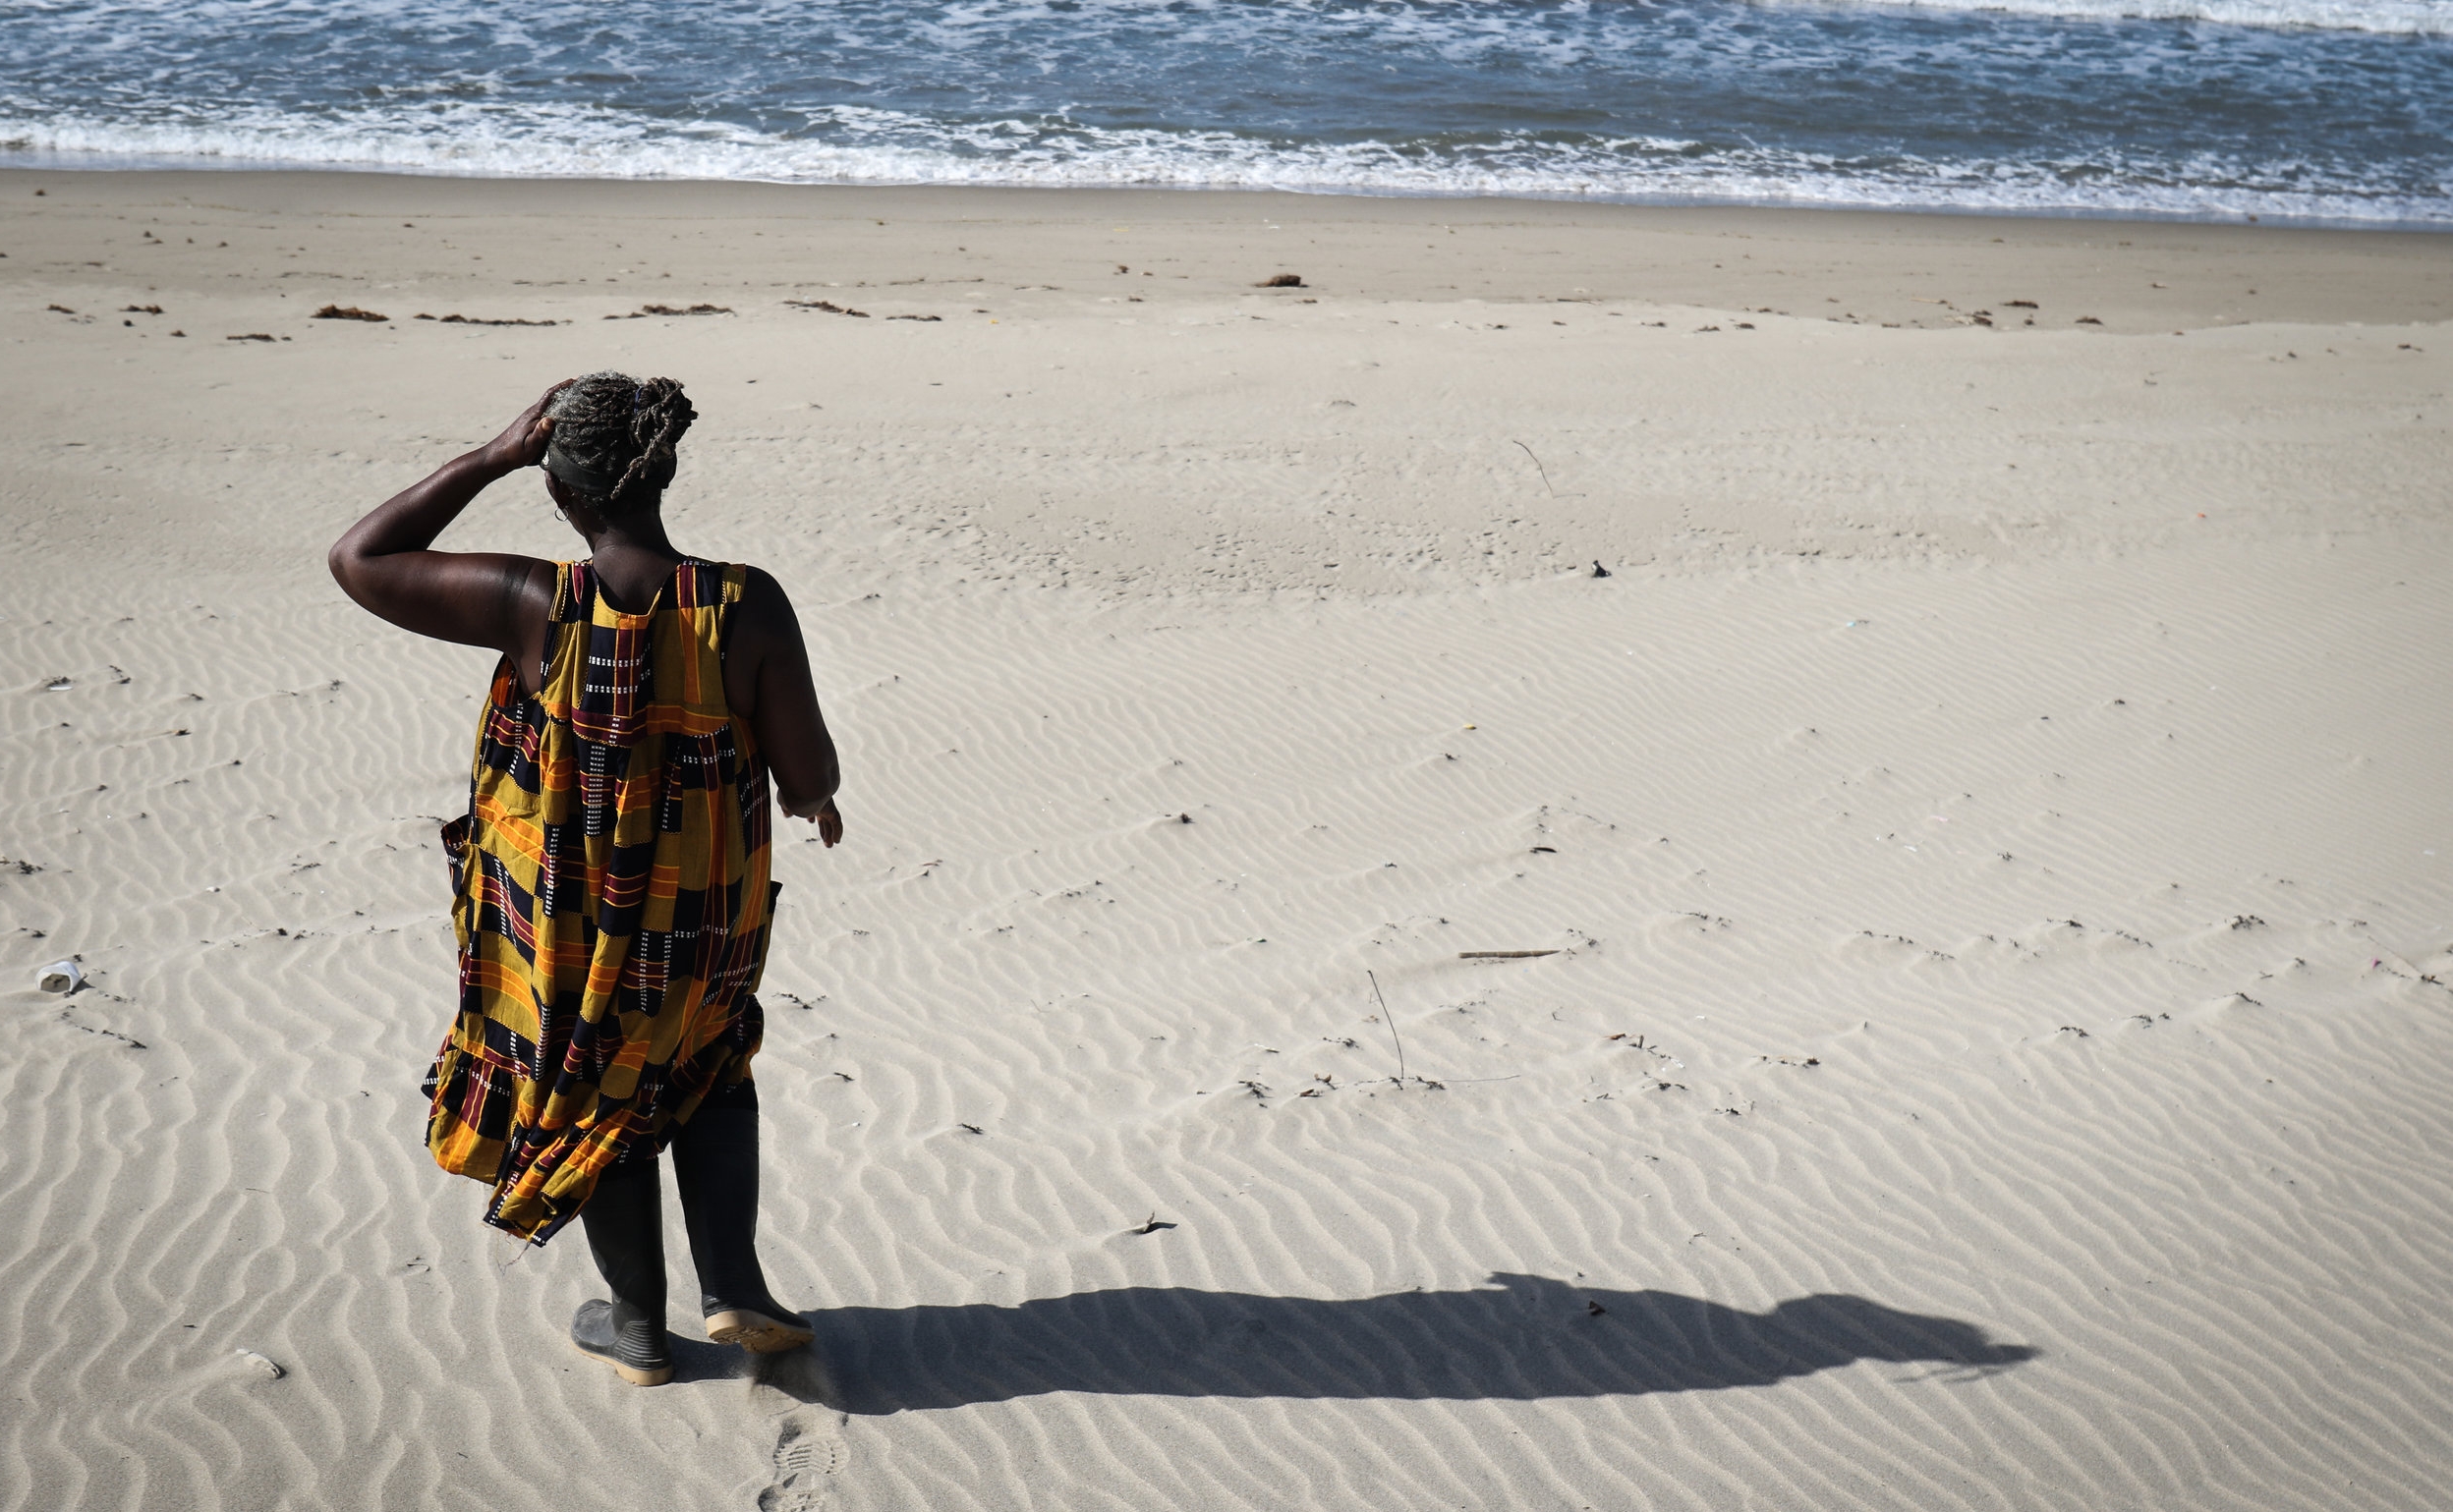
(140, 309)
(473, 321)
(107, 1033)
(2019, 305)
(58, 308)
(915, 318)
(2087, 321)
(830, 306)
(335, 312)
(1281, 281)
(250, 336)
(1501, 955)
(645, 310)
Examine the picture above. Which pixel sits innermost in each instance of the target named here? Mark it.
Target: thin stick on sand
(1390, 1018)
(1538, 467)
(1501, 955)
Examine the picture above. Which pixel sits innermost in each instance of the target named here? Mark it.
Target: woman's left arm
(472, 597)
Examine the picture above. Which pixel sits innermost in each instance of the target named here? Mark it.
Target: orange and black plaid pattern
(611, 901)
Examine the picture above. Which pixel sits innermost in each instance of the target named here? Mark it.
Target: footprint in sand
(808, 1453)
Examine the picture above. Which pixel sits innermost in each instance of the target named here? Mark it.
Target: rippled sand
(1992, 825)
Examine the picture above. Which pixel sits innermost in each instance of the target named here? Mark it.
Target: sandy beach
(1990, 825)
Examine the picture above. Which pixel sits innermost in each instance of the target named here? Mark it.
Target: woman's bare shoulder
(761, 594)
(765, 609)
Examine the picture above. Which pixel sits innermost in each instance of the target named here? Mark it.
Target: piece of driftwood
(1501, 955)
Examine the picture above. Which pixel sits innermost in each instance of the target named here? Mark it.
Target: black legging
(716, 1167)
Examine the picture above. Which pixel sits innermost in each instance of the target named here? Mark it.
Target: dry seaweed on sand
(645, 310)
(334, 313)
(1281, 281)
(473, 320)
(830, 308)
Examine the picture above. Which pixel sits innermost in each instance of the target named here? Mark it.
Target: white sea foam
(2424, 18)
(875, 147)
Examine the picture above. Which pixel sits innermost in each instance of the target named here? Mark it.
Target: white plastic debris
(261, 1363)
(61, 976)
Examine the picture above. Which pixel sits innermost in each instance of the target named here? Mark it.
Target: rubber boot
(715, 1164)
(625, 1222)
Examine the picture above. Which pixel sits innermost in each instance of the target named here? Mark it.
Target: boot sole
(756, 1332)
(629, 1373)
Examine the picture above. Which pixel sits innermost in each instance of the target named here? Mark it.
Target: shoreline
(148, 164)
(2403, 273)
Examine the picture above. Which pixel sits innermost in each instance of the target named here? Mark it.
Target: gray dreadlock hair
(613, 438)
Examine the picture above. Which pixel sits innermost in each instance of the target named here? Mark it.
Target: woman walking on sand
(611, 889)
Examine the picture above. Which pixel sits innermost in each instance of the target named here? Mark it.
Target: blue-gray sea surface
(2336, 110)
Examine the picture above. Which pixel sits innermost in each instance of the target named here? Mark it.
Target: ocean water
(2327, 110)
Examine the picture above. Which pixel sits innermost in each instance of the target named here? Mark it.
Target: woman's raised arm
(472, 597)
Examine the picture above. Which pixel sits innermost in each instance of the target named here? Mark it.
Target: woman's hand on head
(522, 443)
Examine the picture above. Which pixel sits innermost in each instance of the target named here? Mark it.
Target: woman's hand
(829, 825)
(522, 443)
(830, 822)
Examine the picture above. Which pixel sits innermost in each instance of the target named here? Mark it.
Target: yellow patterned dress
(610, 898)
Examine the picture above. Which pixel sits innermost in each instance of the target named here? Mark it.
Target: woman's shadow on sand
(1523, 1337)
